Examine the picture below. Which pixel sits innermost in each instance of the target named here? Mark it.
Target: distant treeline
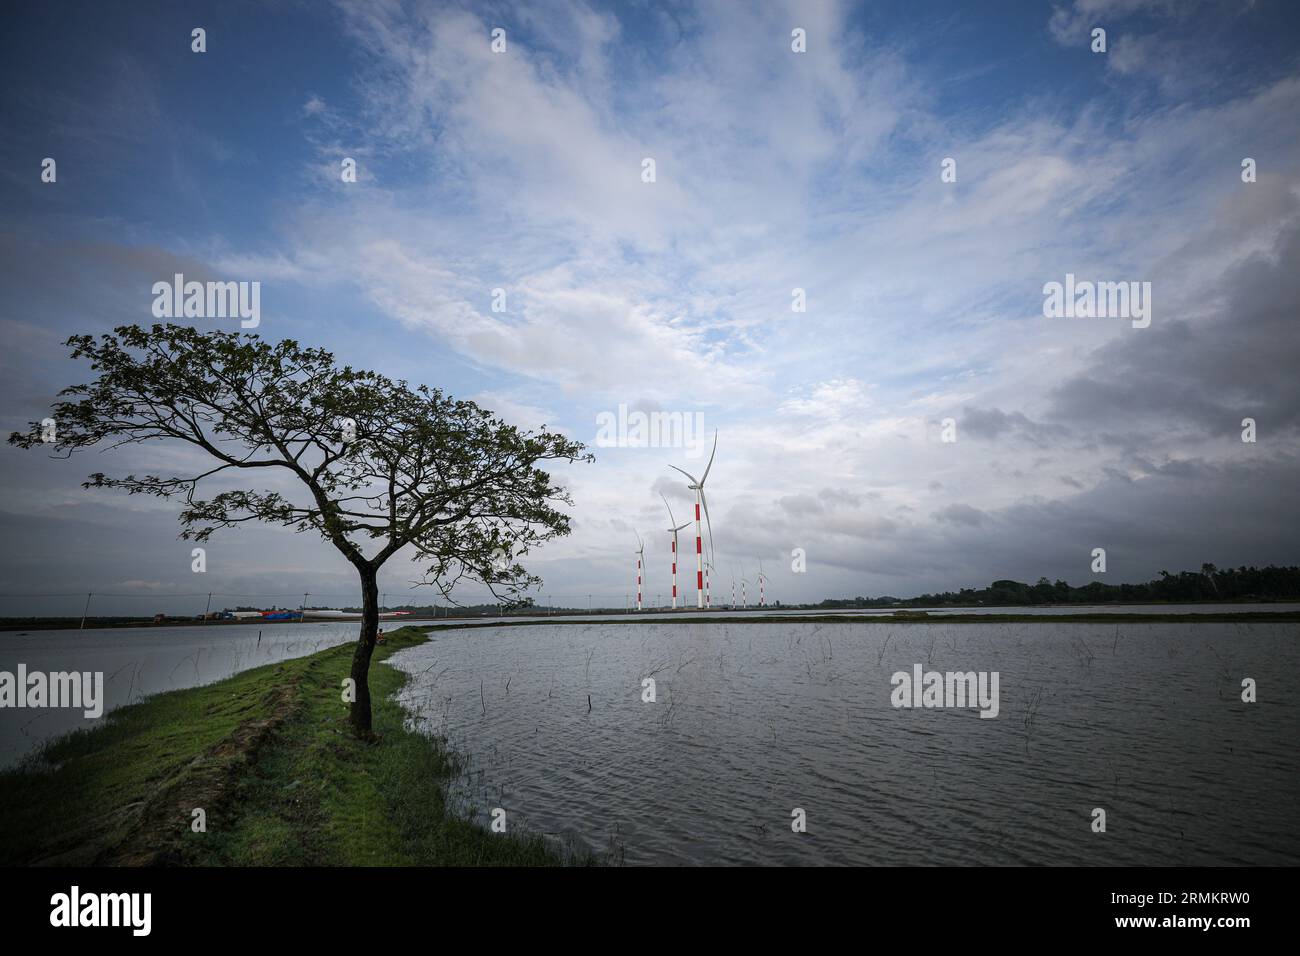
(1208, 584)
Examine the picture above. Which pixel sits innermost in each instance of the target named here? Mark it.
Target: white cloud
(819, 171)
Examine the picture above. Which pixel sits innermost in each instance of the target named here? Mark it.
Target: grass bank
(268, 756)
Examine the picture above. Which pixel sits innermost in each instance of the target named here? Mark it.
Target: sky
(774, 171)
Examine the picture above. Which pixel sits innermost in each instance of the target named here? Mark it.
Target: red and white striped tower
(674, 572)
(699, 555)
(673, 531)
(697, 486)
(762, 581)
(640, 553)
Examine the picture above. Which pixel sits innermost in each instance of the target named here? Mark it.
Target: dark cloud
(960, 514)
(993, 424)
(799, 505)
(841, 497)
(1184, 377)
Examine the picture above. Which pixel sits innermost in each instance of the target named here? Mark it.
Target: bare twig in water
(1031, 714)
(122, 668)
(1083, 652)
(617, 852)
(437, 676)
(671, 711)
(134, 671)
(1114, 774)
(1225, 667)
(880, 655)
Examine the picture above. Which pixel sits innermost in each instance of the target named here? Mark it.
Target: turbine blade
(705, 501)
(686, 473)
(671, 519)
(711, 454)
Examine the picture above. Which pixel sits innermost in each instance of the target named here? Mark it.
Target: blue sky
(775, 170)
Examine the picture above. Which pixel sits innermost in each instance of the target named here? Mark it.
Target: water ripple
(751, 722)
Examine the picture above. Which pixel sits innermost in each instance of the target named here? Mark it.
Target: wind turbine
(673, 532)
(762, 580)
(640, 554)
(697, 486)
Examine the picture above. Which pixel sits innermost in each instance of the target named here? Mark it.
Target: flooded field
(751, 723)
(137, 661)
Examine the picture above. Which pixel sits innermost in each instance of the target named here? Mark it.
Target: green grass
(301, 791)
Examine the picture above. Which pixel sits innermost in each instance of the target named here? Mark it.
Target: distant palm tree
(1210, 571)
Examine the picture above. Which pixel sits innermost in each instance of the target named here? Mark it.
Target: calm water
(137, 661)
(752, 721)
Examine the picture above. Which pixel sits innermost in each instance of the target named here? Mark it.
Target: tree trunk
(360, 715)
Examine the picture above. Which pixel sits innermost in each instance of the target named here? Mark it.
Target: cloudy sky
(775, 170)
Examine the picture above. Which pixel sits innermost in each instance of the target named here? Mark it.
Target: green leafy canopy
(380, 463)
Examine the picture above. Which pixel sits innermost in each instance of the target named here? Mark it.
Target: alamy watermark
(82, 690)
(76, 908)
(968, 690)
(208, 300)
(1084, 299)
(639, 429)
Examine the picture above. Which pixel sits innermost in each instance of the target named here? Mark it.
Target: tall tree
(375, 463)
